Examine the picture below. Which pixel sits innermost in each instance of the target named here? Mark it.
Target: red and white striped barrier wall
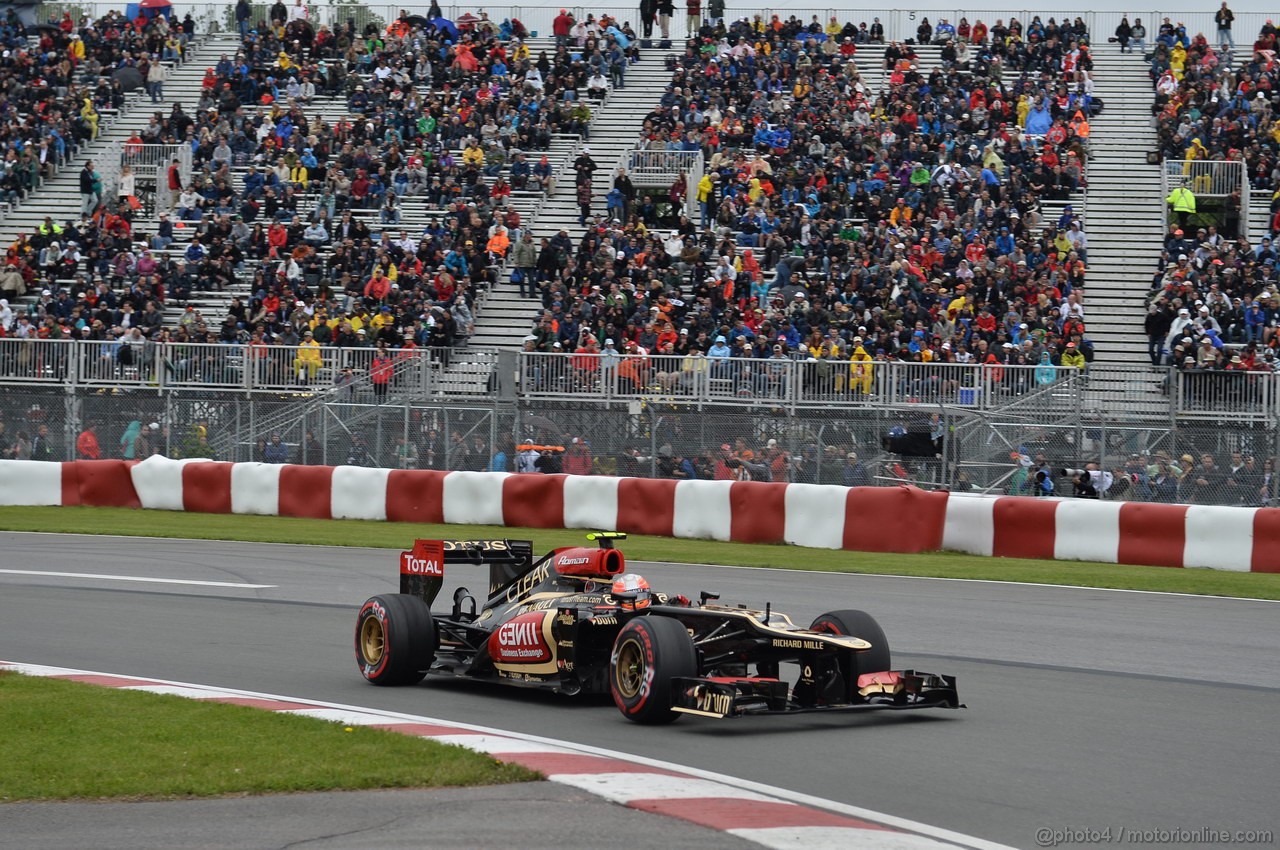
(873, 519)
(1221, 538)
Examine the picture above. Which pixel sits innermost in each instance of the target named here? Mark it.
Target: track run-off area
(1087, 709)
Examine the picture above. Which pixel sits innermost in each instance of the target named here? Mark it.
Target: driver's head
(632, 591)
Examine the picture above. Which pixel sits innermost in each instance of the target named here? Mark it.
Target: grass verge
(67, 740)
(401, 535)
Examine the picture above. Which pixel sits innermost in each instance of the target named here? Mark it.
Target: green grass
(66, 740)
(401, 536)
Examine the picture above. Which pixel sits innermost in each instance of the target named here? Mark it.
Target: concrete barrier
(902, 519)
(30, 482)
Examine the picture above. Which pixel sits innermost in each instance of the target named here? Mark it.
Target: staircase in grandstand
(1126, 220)
(471, 367)
(506, 317)
(59, 196)
(1126, 227)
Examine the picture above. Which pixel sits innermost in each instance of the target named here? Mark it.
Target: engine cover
(583, 562)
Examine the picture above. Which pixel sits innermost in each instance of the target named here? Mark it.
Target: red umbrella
(155, 4)
(466, 19)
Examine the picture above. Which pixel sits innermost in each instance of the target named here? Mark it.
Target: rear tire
(648, 653)
(395, 639)
(862, 625)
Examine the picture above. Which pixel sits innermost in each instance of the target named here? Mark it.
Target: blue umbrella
(622, 40)
(446, 26)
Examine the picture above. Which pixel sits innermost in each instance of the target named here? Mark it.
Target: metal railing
(809, 383)
(793, 384)
(1208, 180)
(135, 363)
(1225, 396)
(660, 168)
(1205, 178)
(208, 16)
(899, 24)
(789, 383)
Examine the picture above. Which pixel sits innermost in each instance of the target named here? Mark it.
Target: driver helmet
(632, 591)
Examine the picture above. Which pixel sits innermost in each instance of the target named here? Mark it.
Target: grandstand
(928, 219)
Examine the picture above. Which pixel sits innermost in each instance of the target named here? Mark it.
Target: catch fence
(928, 444)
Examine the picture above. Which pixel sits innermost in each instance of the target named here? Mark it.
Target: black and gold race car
(575, 621)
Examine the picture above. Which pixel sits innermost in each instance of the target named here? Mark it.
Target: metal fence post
(70, 423)
(653, 441)
(324, 432)
(493, 442)
(408, 413)
(446, 438)
(1102, 451)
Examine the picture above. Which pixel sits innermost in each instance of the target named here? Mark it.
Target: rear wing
(422, 567)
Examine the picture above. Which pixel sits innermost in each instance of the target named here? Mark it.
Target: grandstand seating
(1211, 296)
(923, 292)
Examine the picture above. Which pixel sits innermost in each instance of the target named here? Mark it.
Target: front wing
(722, 696)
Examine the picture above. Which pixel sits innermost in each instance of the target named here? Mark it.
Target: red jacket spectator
(277, 237)
(562, 24)
(87, 445)
(577, 459)
(360, 186)
(378, 287)
(381, 369)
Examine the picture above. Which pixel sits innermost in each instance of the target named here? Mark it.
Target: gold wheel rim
(373, 640)
(630, 668)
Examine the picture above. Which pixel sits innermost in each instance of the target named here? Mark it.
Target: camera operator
(1044, 485)
(1090, 482)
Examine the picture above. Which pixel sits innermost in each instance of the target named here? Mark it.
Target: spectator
(1124, 34)
(275, 451)
(1223, 18)
(666, 8)
(90, 189)
(1183, 203)
(693, 23)
(41, 446)
(648, 14)
(577, 458)
(855, 473)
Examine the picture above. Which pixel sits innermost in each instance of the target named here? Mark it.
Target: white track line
(147, 579)
(799, 549)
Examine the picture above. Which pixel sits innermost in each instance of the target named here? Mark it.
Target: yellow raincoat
(861, 369)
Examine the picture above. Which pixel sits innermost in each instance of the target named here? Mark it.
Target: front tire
(395, 639)
(862, 625)
(648, 653)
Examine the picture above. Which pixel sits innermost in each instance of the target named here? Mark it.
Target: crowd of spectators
(841, 222)
(835, 221)
(457, 119)
(312, 211)
(87, 281)
(1215, 299)
(56, 91)
(1213, 103)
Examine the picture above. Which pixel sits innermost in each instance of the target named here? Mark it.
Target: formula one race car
(576, 621)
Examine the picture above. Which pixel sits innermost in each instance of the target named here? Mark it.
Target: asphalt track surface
(1088, 709)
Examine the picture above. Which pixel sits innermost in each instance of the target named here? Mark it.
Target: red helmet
(632, 591)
